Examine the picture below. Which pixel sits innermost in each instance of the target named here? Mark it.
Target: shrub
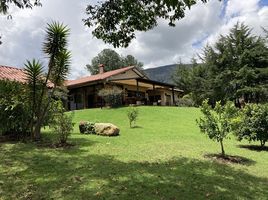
(112, 96)
(15, 115)
(61, 123)
(186, 101)
(87, 127)
(132, 115)
(252, 123)
(216, 122)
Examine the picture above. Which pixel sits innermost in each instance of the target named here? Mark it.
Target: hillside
(162, 73)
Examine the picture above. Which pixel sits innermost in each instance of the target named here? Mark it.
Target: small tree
(61, 123)
(132, 115)
(216, 122)
(252, 123)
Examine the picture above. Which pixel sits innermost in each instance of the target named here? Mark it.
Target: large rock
(106, 129)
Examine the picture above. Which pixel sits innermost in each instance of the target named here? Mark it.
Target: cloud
(24, 34)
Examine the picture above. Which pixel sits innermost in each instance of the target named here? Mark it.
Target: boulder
(106, 129)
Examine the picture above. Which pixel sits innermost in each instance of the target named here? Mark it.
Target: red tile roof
(15, 74)
(97, 77)
(12, 73)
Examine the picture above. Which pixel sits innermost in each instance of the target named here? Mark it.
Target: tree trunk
(222, 149)
(262, 143)
(37, 131)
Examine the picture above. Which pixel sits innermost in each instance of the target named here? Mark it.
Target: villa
(136, 87)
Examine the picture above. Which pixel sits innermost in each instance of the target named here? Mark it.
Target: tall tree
(55, 47)
(235, 68)
(111, 60)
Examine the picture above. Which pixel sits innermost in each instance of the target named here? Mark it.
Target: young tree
(111, 60)
(216, 122)
(55, 47)
(252, 123)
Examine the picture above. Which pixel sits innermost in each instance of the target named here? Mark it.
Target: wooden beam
(173, 96)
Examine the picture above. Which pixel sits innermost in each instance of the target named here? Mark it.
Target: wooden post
(173, 96)
(85, 98)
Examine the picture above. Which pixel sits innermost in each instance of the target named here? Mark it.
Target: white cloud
(24, 34)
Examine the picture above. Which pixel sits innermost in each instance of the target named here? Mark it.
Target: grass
(162, 158)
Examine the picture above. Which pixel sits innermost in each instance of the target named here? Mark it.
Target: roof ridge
(16, 68)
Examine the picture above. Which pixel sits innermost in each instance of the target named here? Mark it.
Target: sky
(22, 36)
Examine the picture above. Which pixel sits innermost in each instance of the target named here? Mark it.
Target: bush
(15, 115)
(216, 122)
(132, 115)
(61, 123)
(112, 96)
(87, 127)
(252, 123)
(185, 101)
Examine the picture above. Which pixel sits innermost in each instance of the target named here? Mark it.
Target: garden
(161, 157)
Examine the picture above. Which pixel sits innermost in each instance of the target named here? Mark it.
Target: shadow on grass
(136, 127)
(254, 147)
(30, 173)
(230, 159)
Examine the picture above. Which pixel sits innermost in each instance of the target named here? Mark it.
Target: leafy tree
(116, 21)
(55, 47)
(252, 124)
(61, 123)
(15, 115)
(216, 122)
(5, 4)
(111, 60)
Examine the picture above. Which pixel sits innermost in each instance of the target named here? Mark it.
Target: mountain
(162, 73)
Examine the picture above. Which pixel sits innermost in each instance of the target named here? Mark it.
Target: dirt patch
(230, 159)
(254, 147)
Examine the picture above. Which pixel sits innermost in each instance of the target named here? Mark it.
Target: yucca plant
(55, 47)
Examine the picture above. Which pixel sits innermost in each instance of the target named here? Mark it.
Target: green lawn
(163, 158)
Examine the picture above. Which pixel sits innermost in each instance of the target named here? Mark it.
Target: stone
(106, 129)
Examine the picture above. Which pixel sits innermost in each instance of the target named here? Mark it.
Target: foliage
(186, 101)
(14, 110)
(111, 95)
(111, 61)
(132, 115)
(252, 124)
(234, 69)
(5, 4)
(216, 122)
(116, 21)
(43, 87)
(87, 127)
(61, 123)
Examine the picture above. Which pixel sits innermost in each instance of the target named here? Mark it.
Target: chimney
(101, 68)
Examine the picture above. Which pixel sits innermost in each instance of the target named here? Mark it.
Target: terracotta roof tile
(97, 77)
(15, 74)
(12, 73)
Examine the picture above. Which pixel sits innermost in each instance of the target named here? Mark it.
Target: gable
(130, 74)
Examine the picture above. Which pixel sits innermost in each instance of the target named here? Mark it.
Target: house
(136, 86)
